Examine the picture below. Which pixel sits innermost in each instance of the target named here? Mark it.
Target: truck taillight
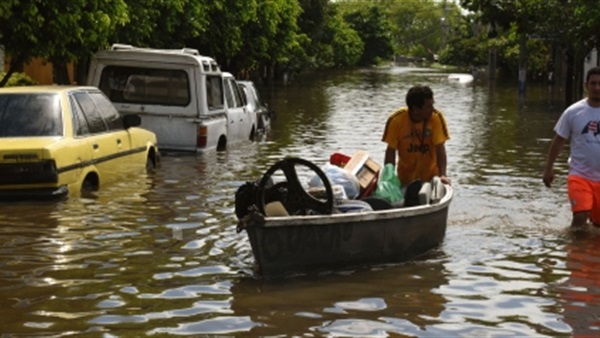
(201, 136)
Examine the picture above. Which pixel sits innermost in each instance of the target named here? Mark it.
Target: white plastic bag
(338, 176)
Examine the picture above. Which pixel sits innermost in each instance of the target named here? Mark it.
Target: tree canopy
(270, 37)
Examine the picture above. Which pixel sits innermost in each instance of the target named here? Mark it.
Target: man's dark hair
(417, 95)
(592, 71)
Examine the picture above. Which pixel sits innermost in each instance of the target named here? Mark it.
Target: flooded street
(159, 254)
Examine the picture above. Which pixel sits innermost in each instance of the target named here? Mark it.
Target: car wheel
(222, 145)
(89, 185)
(150, 165)
(252, 134)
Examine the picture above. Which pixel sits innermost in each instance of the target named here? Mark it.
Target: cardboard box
(366, 170)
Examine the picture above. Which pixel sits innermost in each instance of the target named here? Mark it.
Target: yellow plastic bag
(388, 185)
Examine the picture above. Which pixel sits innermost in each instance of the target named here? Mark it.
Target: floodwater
(159, 255)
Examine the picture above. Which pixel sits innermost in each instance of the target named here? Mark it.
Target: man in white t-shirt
(580, 123)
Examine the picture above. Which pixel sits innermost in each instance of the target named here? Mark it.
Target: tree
(56, 31)
(422, 28)
(468, 46)
(345, 43)
(571, 26)
(162, 24)
(333, 42)
(270, 33)
(371, 23)
(222, 38)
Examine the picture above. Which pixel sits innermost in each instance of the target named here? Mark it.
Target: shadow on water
(403, 300)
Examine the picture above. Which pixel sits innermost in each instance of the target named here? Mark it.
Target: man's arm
(556, 147)
(390, 156)
(440, 151)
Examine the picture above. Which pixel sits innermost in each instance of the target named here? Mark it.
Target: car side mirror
(131, 120)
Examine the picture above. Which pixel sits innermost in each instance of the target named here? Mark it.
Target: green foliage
(572, 26)
(56, 31)
(162, 24)
(286, 47)
(270, 36)
(18, 79)
(375, 30)
(333, 42)
(469, 45)
(242, 35)
(346, 44)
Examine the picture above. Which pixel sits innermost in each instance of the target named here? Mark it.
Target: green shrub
(18, 79)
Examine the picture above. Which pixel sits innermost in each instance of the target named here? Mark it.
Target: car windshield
(30, 114)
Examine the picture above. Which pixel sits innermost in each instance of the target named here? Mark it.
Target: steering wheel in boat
(296, 200)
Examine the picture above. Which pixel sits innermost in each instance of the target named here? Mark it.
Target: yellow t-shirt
(415, 144)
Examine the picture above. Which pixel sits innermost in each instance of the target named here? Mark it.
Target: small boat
(462, 78)
(306, 235)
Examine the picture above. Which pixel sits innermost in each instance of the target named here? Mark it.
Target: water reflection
(403, 300)
(579, 292)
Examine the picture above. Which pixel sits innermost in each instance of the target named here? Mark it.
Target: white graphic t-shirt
(581, 124)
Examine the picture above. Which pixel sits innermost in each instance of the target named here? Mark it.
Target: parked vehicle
(183, 97)
(60, 139)
(241, 120)
(255, 104)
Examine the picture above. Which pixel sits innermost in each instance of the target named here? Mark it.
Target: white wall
(591, 60)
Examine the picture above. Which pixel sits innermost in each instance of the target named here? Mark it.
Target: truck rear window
(169, 87)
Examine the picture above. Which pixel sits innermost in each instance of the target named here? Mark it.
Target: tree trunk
(81, 71)
(569, 78)
(492, 64)
(522, 63)
(15, 64)
(7, 76)
(578, 77)
(60, 73)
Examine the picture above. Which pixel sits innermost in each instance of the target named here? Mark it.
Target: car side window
(108, 111)
(237, 95)
(257, 97)
(91, 112)
(229, 95)
(80, 126)
(245, 94)
(214, 92)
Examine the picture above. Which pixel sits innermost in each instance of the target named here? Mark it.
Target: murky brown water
(160, 255)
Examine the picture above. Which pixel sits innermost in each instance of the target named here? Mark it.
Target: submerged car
(56, 140)
(255, 105)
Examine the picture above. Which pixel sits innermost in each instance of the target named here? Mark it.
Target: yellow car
(59, 140)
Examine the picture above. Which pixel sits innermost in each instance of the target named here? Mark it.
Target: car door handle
(95, 146)
(119, 141)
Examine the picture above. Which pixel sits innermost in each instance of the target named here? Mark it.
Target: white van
(182, 96)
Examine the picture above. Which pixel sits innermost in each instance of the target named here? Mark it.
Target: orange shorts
(584, 195)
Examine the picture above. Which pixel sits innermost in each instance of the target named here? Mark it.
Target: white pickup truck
(182, 96)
